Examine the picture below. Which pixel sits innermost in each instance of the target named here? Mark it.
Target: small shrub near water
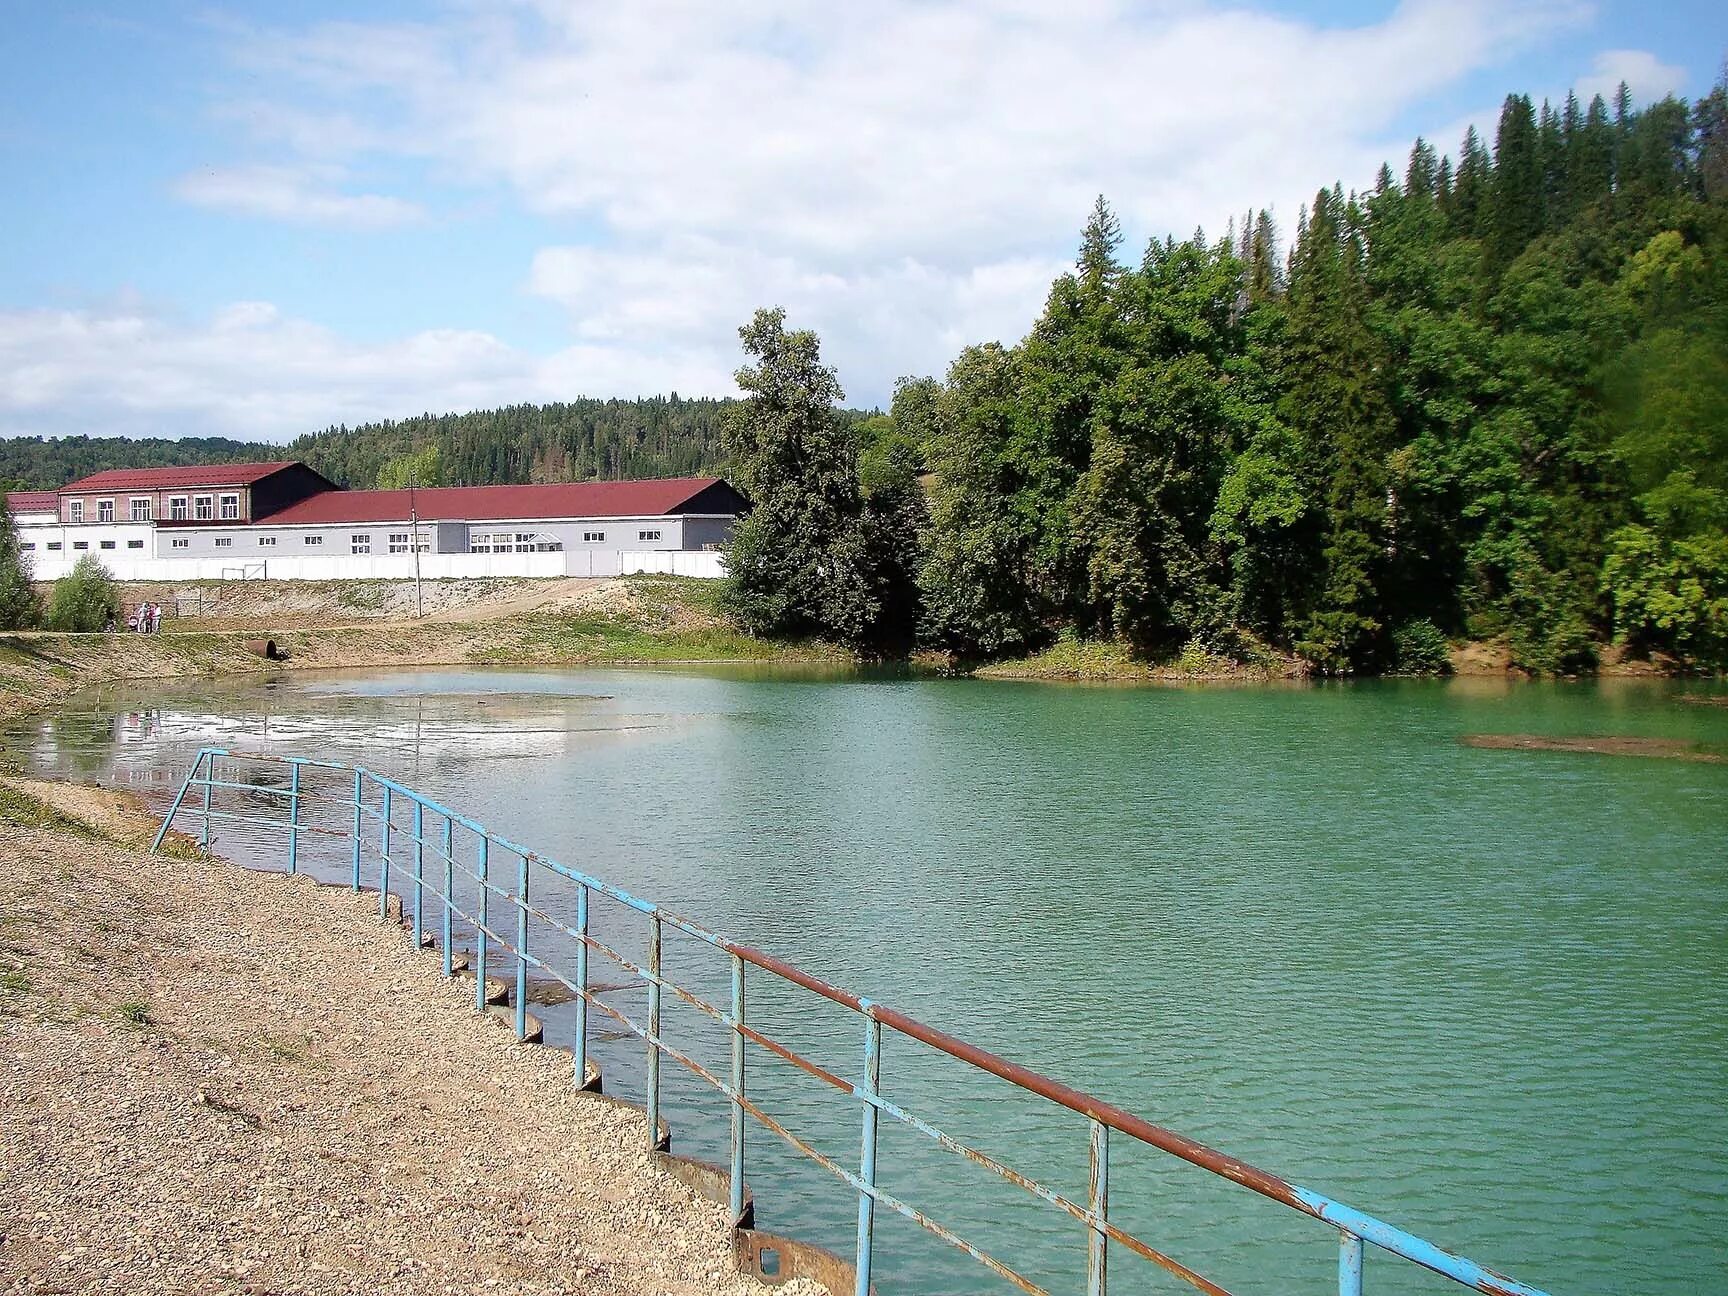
(1421, 648)
(86, 600)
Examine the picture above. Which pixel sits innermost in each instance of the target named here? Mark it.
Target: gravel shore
(222, 1081)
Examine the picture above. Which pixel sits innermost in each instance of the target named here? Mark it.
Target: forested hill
(658, 436)
(1487, 397)
(38, 463)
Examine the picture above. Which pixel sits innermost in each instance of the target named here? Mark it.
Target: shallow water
(1480, 993)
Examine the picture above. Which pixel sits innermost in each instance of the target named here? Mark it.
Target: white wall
(250, 566)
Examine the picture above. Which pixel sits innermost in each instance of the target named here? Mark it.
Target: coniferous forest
(1487, 399)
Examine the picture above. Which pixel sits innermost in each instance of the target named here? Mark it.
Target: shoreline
(206, 1057)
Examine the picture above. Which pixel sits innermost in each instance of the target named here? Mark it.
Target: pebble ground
(215, 1081)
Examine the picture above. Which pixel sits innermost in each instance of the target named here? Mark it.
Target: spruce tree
(1515, 195)
(800, 563)
(1333, 398)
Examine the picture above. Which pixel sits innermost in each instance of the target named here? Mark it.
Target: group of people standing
(146, 620)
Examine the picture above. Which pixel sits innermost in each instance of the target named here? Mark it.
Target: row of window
(55, 546)
(359, 542)
(512, 542)
(203, 508)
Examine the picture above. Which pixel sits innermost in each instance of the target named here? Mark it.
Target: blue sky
(258, 220)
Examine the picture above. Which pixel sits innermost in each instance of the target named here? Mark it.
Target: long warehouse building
(285, 520)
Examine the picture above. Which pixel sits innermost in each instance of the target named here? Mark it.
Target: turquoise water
(1482, 994)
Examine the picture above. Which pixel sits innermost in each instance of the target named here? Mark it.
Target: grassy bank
(1106, 661)
(635, 619)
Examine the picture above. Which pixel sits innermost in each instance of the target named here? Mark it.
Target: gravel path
(221, 1081)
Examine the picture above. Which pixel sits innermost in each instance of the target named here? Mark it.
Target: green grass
(135, 1014)
(19, 808)
(593, 638)
(14, 980)
(1108, 659)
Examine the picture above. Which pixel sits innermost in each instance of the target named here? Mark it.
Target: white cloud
(297, 194)
(252, 373)
(904, 176)
(1645, 75)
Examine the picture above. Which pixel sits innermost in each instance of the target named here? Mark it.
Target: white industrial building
(284, 521)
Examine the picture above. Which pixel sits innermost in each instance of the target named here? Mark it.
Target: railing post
(867, 1151)
(449, 889)
(174, 809)
(293, 817)
(736, 1200)
(384, 860)
(1098, 1241)
(359, 797)
(522, 949)
(653, 1030)
(205, 758)
(485, 922)
(579, 1047)
(1349, 1264)
(419, 873)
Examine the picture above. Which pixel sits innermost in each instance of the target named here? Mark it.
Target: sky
(260, 220)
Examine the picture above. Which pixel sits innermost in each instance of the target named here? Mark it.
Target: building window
(80, 544)
(134, 544)
(29, 546)
(593, 537)
(203, 508)
(230, 508)
(224, 542)
(75, 511)
(647, 535)
(53, 546)
(313, 540)
(140, 510)
(360, 544)
(106, 544)
(179, 542)
(104, 510)
(177, 508)
(267, 541)
(398, 542)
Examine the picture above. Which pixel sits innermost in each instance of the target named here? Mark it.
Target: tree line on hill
(1487, 398)
(578, 440)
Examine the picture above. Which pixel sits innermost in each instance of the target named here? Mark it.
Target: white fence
(577, 562)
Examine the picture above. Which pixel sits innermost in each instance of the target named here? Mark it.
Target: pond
(1481, 992)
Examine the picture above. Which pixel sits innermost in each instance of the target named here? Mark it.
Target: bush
(19, 606)
(1421, 648)
(85, 600)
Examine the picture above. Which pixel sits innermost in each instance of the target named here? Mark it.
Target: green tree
(85, 600)
(20, 608)
(1163, 433)
(979, 598)
(423, 467)
(1333, 398)
(803, 561)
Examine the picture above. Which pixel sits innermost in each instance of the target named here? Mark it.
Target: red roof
(193, 475)
(32, 502)
(496, 503)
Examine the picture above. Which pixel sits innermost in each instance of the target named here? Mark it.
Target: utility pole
(414, 545)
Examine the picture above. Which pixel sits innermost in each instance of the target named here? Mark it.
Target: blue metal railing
(1104, 1119)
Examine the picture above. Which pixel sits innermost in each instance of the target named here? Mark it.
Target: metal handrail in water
(1354, 1227)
